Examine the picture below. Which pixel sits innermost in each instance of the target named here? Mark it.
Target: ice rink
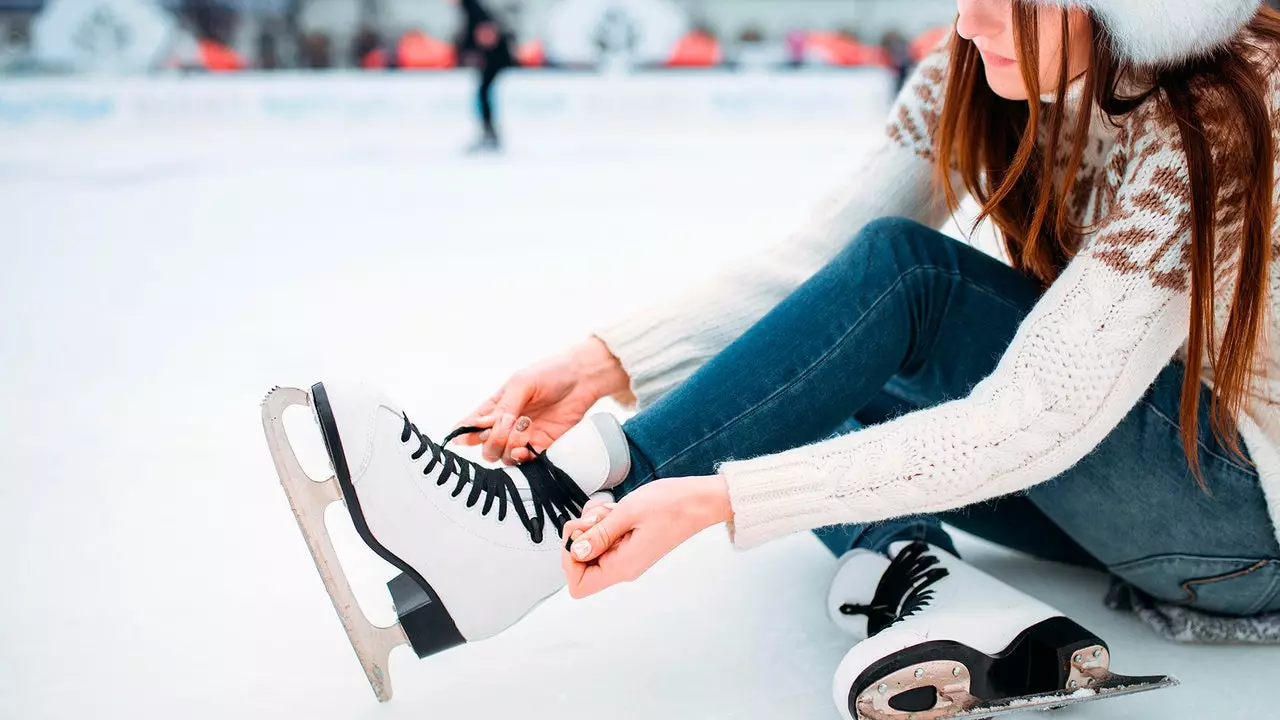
(157, 284)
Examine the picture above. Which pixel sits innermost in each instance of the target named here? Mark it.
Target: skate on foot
(941, 639)
(478, 547)
(487, 144)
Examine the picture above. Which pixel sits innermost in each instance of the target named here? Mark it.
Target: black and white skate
(948, 641)
(478, 548)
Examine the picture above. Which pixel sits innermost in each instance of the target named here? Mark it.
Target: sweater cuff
(654, 363)
(777, 495)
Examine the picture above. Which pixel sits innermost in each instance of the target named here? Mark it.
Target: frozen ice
(156, 285)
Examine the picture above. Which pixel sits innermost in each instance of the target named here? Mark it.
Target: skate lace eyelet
(553, 494)
(904, 590)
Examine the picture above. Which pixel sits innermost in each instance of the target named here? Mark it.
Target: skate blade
(309, 499)
(1109, 687)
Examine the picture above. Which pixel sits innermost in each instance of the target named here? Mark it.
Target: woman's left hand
(617, 542)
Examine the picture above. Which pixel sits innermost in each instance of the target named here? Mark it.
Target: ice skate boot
(945, 640)
(478, 547)
(854, 598)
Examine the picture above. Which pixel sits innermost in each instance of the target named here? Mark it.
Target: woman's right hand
(539, 403)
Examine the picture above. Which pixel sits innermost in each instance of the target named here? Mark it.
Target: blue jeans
(905, 318)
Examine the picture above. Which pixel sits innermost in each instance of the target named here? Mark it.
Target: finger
(496, 444)
(480, 417)
(519, 437)
(515, 395)
(598, 503)
(577, 526)
(570, 535)
(538, 439)
(614, 567)
(596, 540)
(593, 512)
(574, 574)
(474, 437)
(485, 407)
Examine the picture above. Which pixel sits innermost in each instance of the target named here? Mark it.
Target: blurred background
(151, 36)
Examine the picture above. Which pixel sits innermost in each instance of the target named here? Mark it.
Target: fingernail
(523, 424)
(581, 549)
(592, 518)
(484, 435)
(611, 505)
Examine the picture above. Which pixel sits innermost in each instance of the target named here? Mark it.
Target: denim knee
(896, 246)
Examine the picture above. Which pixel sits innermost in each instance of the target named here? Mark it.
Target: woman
(483, 44)
(1103, 400)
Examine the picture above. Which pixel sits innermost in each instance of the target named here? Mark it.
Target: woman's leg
(1133, 508)
(906, 311)
(896, 297)
(1134, 504)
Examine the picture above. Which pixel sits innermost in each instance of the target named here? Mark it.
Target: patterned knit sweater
(1093, 344)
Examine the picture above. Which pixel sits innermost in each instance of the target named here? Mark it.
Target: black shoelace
(904, 589)
(554, 493)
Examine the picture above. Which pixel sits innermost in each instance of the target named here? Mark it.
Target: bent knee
(900, 244)
(892, 226)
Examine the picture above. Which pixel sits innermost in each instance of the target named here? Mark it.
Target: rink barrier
(664, 99)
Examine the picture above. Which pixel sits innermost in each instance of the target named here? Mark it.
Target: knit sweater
(1115, 317)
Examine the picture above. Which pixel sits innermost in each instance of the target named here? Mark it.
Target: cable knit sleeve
(662, 345)
(1079, 362)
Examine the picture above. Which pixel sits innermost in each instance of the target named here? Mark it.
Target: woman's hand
(617, 542)
(538, 404)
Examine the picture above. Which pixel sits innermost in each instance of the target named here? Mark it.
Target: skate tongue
(594, 453)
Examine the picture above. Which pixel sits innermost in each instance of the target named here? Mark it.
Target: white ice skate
(478, 547)
(945, 640)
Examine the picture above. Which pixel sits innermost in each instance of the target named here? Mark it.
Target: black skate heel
(1052, 655)
(945, 678)
(423, 617)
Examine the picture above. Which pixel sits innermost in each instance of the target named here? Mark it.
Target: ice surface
(156, 286)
